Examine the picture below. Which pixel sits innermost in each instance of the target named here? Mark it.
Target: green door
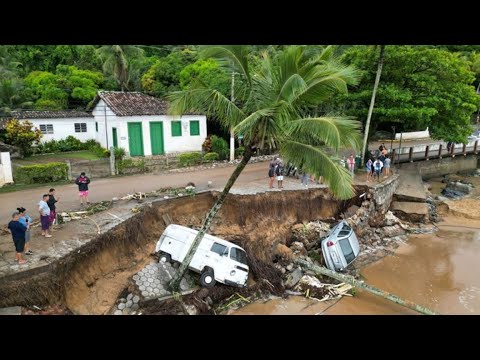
(135, 138)
(156, 137)
(115, 139)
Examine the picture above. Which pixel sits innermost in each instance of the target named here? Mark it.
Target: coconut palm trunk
(175, 282)
(372, 101)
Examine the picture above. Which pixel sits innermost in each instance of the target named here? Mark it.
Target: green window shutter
(176, 128)
(194, 127)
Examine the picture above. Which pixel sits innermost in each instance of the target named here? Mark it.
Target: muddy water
(439, 271)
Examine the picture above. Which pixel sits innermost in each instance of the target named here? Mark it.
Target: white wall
(171, 144)
(65, 127)
(413, 135)
(6, 175)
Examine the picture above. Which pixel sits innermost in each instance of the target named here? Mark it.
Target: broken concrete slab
(410, 211)
(410, 188)
(13, 310)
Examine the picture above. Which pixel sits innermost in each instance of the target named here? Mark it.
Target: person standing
(82, 181)
(18, 235)
(351, 164)
(51, 204)
(26, 221)
(271, 174)
(44, 211)
(279, 173)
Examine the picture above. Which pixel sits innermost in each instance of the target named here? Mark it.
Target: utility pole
(232, 136)
(372, 102)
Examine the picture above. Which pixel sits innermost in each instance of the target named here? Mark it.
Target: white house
(59, 124)
(139, 124)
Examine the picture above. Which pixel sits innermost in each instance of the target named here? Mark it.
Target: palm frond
(334, 132)
(209, 101)
(318, 163)
(229, 56)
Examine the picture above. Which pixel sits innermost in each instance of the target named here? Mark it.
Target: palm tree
(273, 111)
(115, 59)
(372, 101)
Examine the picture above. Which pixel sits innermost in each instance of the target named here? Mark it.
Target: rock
(293, 278)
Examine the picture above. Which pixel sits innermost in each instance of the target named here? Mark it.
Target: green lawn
(47, 158)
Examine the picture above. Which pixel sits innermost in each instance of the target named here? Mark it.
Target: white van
(215, 259)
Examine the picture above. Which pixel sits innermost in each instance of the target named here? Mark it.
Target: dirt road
(107, 188)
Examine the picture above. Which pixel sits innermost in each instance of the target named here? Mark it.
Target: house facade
(139, 123)
(57, 125)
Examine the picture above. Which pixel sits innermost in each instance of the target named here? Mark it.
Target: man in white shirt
(44, 211)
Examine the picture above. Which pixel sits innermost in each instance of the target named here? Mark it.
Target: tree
(69, 87)
(116, 58)
(22, 135)
(421, 87)
(164, 76)
(274, 112)
(372, 102)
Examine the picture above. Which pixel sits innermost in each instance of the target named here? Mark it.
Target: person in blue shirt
(25, 220)
(18, 235)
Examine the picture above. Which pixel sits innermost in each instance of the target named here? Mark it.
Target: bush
(41, 173)
(190, 158)
(125, 164)
(211, 156)
(119, 153)
(220, 146)
(239, 151)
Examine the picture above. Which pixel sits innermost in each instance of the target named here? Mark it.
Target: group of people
(375, 165)
(276, 169)
(21, 222)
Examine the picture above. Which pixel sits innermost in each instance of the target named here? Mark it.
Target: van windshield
(238, 255)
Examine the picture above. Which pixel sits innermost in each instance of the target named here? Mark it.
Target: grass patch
(74, 155)
(19, 187)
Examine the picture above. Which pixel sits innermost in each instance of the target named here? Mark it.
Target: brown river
(439, 270)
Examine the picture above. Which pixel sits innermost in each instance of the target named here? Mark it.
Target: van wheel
(165, 258)
(207, 279)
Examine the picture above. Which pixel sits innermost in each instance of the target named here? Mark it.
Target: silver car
(340, 248)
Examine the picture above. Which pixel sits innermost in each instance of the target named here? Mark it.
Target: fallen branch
(360, 284)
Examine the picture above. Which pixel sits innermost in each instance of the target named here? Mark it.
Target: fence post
(69, 170)
(112, 161)
(410, 154)
(440, 151)
(427, 149)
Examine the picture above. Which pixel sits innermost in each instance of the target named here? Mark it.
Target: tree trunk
(175, 282)
(372, 102)
(360, 284)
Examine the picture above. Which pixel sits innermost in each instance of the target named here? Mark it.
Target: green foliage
(41, 173)
(190, 158)
(164, 76)
(211, 156)
(20, 134)
(220, 146)
(71, 143)
(239, 151)
(119, 153)
(131, 164)
(68, 87)
(209, 73)
(276, 105)
(419, 87)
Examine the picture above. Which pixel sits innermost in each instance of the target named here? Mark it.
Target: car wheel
(165, 258)
(207, 279)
